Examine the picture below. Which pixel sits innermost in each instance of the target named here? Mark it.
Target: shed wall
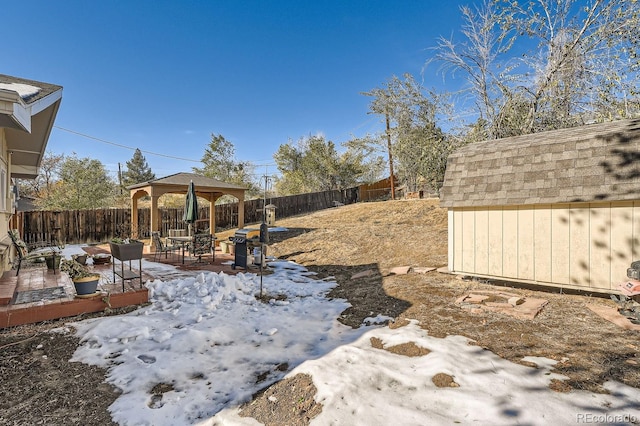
(577, 245)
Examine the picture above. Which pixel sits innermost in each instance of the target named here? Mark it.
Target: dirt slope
(376, 237)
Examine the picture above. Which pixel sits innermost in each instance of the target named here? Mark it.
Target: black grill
(240, 239)
(246, 239)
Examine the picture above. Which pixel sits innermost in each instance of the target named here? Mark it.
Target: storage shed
(559, 208)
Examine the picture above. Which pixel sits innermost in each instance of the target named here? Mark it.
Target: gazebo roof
(181, 180)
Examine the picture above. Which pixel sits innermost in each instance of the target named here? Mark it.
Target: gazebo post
(212, 215)
(240, 197)
(155, 216)
(134, 216)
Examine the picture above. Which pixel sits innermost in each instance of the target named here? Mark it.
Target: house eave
(24, 172)
(27, 142)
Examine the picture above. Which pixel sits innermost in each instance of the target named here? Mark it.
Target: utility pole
(120, 178)
(264, 201)
(391, 178)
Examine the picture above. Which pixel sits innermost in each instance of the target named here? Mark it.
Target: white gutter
(44, 103)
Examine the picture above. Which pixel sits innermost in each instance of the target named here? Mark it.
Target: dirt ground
(40, 386)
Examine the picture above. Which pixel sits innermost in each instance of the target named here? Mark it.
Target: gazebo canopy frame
(207, 188)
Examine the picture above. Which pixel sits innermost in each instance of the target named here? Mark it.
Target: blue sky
(163, 75)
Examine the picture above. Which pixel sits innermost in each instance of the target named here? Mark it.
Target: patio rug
(50, 293)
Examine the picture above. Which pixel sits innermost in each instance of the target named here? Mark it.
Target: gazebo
(207, 188)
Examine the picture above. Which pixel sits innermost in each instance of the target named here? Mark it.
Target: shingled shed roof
(597, 162)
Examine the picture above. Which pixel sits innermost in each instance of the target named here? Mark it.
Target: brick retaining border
(77, 306)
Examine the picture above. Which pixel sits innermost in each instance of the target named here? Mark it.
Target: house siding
(510, 242)
(482, 241)
(585, 246)
(28, 124)
(5, 247)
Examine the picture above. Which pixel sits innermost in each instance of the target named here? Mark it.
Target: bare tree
(483, 61)
(545, 64)
(587, 59)
(43, 184)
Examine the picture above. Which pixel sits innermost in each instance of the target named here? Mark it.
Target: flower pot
(80, 258)
(224, 246)
(53, 261)
(87, 285)
(101, 259)
(131, 251)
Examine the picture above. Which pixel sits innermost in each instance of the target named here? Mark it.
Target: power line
(125, 146)
(255, 163)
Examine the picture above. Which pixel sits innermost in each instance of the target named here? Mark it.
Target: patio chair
(202, 244)
(162, 247)
(23, 254)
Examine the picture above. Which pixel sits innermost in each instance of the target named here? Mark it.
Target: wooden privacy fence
(380, 190)
(100, 225)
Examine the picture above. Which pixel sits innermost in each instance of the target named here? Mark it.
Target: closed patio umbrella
(191, 207)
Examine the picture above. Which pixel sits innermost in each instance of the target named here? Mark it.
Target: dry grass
(372, 238)
(376, 237)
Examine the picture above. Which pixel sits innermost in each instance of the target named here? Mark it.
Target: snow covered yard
(206, 344)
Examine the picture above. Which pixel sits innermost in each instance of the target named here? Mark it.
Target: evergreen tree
(138, 170)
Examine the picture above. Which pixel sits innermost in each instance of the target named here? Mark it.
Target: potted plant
(52, 259)
(80, 258)
(84, 280)
(126, 249)
(101, 258)
(52, 256)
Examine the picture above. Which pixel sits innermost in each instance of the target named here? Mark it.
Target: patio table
(183, 241)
